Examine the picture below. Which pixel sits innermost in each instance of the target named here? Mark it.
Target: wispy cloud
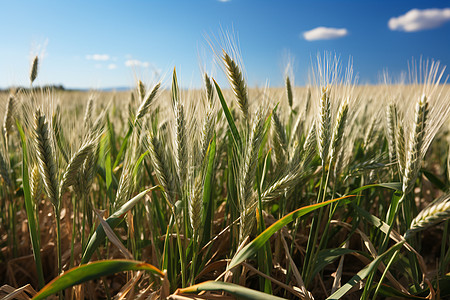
(324, 33)
(136, 63)
(417, 19)
(112, 66)
(224, 0)
(98, 57)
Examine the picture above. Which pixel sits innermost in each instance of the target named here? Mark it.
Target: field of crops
(333, 191)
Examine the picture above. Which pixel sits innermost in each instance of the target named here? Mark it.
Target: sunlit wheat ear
(279, 141)
(338, 131)
(308, 101)
(415, 143)
(435, 212)
(195, 204)
(207, 132)
(8, 122)
(289, 92)
(368, 137)
(280, 186)
(391, 126)
(75, 165)
(448, 163)
(57, 131)
(209, 122)
(35, 183)
(141, 90)
(34, 69)
(160, 164)
(237, 84)
(125, 187)
(4, 170)
(147, 101)
(309, 146)
(209, 90)
(324, 125)
(46, 157)
(247, 177)
(87, 121)
(400, 147)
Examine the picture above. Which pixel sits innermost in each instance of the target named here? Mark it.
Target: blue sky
(99, 44)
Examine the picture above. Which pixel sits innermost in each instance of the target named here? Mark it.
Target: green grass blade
(327, 256)
(234, 289)
(260, 240)
(363, 273)
(34, 233)
(138, 163)
(123, 147)
(91, 271)
(113, 221)
(207, 201)
(233, 128)
(397, 186)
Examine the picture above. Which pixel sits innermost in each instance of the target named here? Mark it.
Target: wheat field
(334, 190)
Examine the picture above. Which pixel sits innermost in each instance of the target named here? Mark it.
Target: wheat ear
(338, 132)
(46, 158)
(237, 83)
(87, 121)
(324, 125)
(248, 175)
(279, 141)
(146, 101)
(4, 171)
(74, 166)
(289, 92)
(391, 120)
(141, 90)
(415, 144)
(435, 212)
(8, 122)
(195, 204)
(34, 69)
(160, 165)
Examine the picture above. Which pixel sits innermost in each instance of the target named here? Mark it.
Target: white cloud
(324, 33)
(224, 0)
(416, 19)
(112, 66)
(136, 63)
(98, 57)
